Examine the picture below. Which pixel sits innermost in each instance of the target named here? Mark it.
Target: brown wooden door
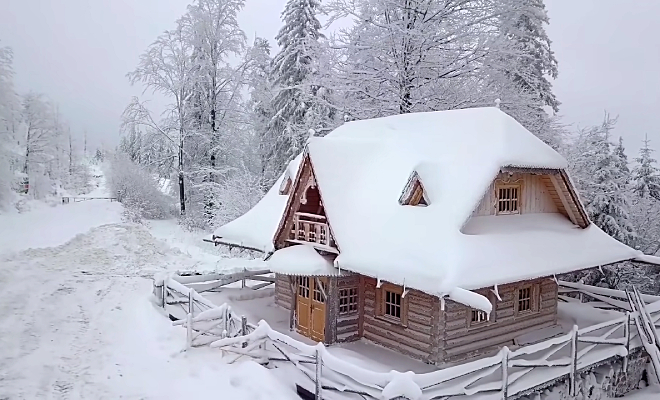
(318, 310)
(303, 305)
(310, 308)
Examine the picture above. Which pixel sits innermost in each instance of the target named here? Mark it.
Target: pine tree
(300, 101)
(646, 175)
(605, 189)
(521, 66)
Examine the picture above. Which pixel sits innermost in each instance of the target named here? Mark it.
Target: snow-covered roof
(302, 260)
(255, 229)
(362, 167)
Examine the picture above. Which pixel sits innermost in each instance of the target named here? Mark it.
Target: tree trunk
(182, 195)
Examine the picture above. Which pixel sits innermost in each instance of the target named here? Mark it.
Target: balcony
(312, 229)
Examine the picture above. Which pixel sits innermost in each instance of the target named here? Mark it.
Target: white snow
(256, 228)
(301, 260)
(438, 249)
(76, 321)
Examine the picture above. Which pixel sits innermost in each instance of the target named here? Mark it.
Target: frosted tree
(646, 175)
(646, 200)
(601, 181)
(166, 67)
(300, 101)
(404, 56)
(519, 68)
(41, 142)
(260, 104)
(9, 107)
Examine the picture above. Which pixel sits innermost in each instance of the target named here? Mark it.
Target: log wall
(348, 325)
(462, 341)
(283, 291)
(418, 339)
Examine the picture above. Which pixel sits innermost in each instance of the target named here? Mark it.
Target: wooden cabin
(437, 235)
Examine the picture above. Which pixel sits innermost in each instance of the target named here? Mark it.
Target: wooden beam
(564, 200)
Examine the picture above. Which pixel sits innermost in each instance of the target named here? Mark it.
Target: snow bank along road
(76, 322)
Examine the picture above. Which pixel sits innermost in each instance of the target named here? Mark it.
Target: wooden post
(243, 280)
(226, 320)
(244, 329)
(626, 333)
(189, 331)
(189, 321)
(505, 373)
(319, 363)
(572, 389)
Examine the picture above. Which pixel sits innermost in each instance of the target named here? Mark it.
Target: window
(508, 200)
(392, 304)
(348, 300)
(303, 286)
(525, 299)
(478, 316)
(319, 291)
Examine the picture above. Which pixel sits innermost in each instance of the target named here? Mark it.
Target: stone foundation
(603, 382)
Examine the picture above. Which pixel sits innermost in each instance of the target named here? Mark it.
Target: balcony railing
(311, 228)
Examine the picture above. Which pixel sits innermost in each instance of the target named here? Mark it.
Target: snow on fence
(68, 199)
(507, 374)
(204, 321)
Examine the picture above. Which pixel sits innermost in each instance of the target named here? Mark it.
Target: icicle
(497, 102)
(378, 283)
(442, 303)
(600, 268)
(405, 291)
(496, 292)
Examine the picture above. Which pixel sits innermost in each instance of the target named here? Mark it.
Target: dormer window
(508, 199)
(414, 193)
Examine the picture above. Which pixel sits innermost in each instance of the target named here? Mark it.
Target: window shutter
(404, 310)
(378, 307)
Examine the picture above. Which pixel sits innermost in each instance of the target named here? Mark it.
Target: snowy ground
(76, 321)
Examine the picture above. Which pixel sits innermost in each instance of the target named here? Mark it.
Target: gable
(304, 217)
(413, 193)
(541, 191)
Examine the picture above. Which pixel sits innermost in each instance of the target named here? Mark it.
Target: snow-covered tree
(9, 107)
(166, 67)
(602, 183)
(646, 175)
(301, 101)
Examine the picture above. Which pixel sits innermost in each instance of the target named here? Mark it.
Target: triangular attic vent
(414, 193)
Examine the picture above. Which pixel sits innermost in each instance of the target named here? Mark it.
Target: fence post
(319, 363)
(505, 373)
(626, 333)
(243, 280)
(189, 321)
(572, 389)
(244, 329)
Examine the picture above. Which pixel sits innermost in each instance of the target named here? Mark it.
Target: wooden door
(303, 305)
(318, 310)
(310, 308)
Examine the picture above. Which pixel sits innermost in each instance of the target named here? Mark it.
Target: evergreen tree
(521, 66)
(604, 183)
(646, 175)
(300, 101)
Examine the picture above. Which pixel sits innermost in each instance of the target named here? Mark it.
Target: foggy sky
(78, 52)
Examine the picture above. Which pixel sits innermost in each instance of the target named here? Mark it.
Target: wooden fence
(508, 374)
(78, 199)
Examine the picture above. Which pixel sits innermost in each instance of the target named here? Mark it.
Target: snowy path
(76, 323)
